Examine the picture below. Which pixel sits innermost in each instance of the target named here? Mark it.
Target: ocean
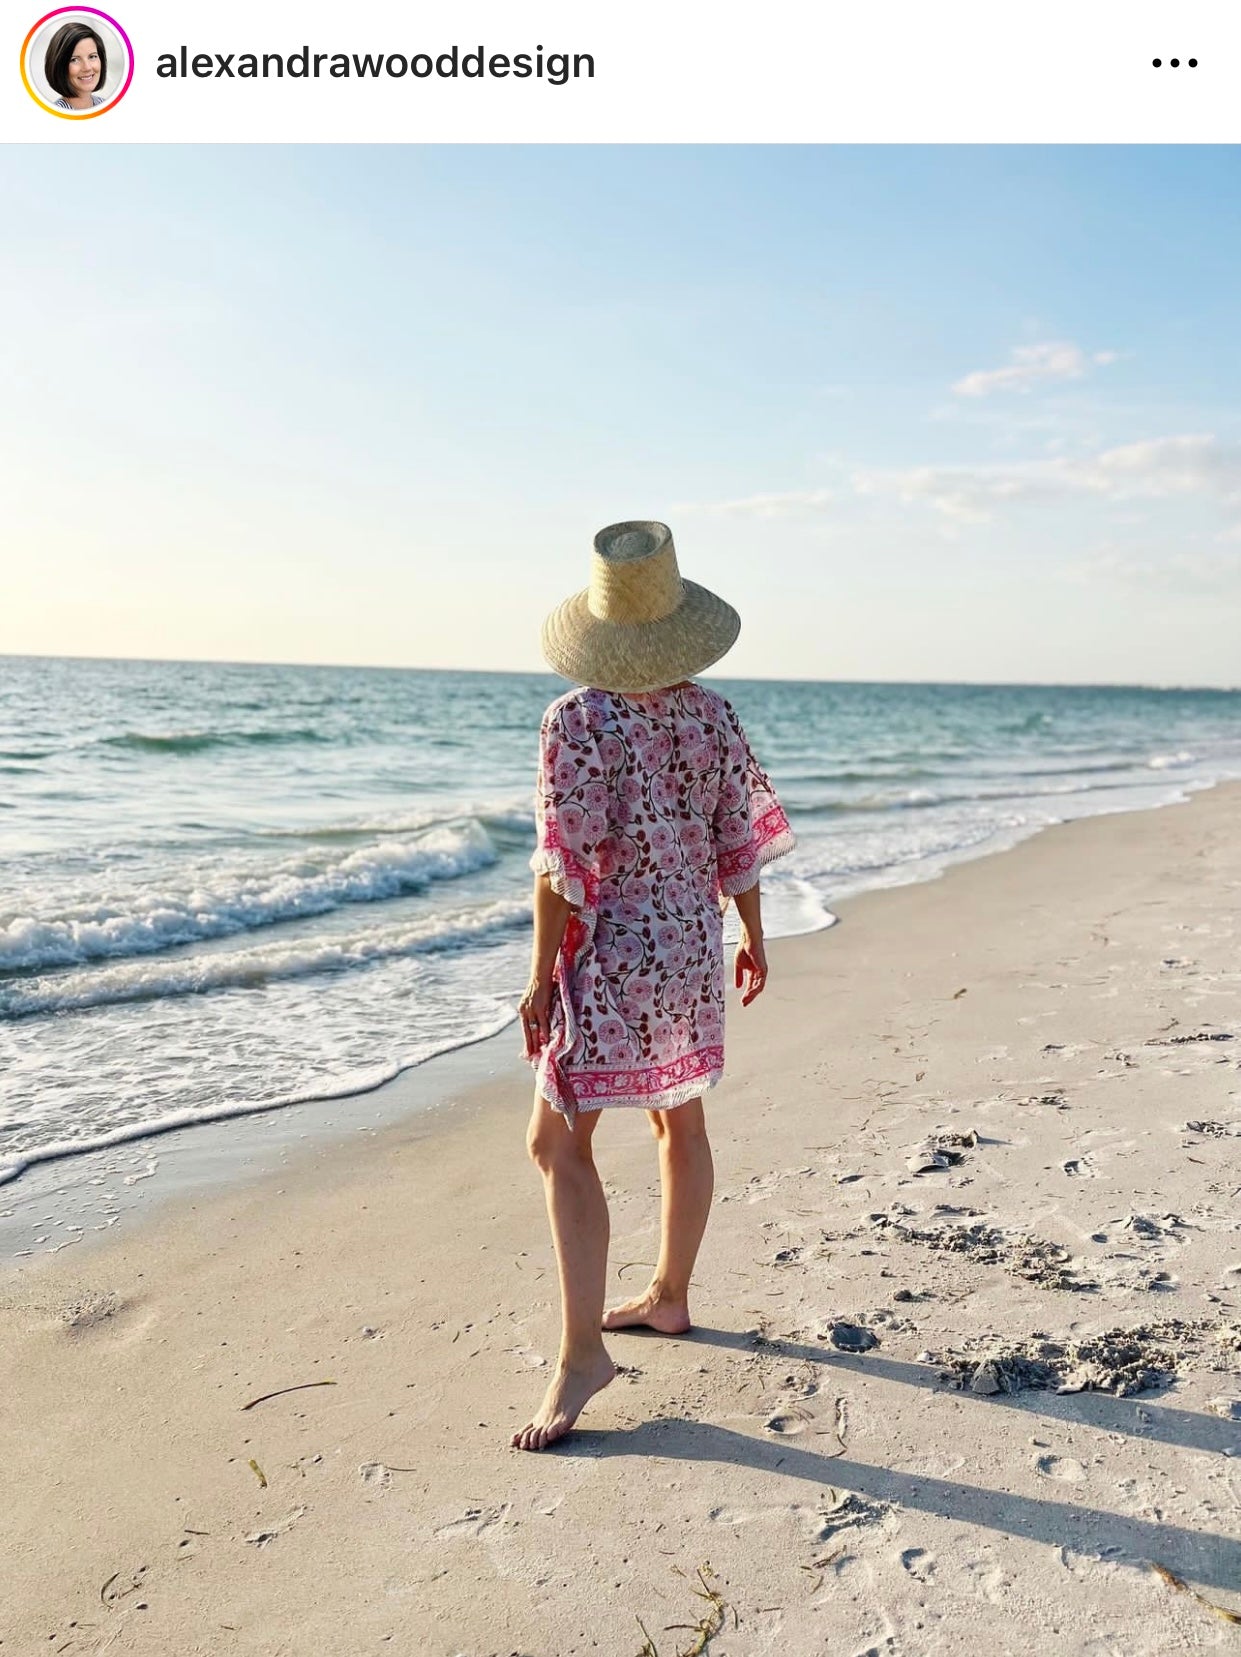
(226, 888)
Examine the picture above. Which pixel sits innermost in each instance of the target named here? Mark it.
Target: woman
(652, 812)
(76, 66)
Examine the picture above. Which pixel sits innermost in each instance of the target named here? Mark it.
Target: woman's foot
(653, 1310)
(570, 1390)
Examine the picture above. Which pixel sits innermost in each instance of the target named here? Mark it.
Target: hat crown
(634, 575)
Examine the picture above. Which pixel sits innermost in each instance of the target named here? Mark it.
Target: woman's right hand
(750, 967)
(534, 1011)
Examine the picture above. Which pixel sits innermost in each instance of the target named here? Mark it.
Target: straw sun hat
(639, 626)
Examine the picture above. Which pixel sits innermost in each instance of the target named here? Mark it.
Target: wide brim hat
(639, 625)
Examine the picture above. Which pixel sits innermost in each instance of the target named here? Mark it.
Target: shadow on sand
(1199, 1556)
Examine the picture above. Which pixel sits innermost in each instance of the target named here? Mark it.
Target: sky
(920, 413)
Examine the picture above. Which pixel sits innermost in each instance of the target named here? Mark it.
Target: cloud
(1186, 571)
(1158, 468)
(1051, 360)
(766, 506)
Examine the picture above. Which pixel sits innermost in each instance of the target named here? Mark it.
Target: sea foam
(238, 901)
(262, 964)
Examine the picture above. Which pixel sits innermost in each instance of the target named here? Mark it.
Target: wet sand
(964, 1372)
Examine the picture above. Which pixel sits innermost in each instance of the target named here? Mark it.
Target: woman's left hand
(534, 1010)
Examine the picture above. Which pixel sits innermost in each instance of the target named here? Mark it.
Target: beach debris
(851, 1337)
(1034, 1259)
(845, 1510)
(1009, 1372)
(108, 1595)
(258, 1473)
(708, 1625)
(840, 1425)
(1182, 1587)
(929, 1158)
(301, 1387)
(958, 994)
(1150, 1225)
(787, 1256)
(1227, 1408)
(903, 1294)
(1214, 1130)
(816, 1568)
(1119, 1361)
(1056, 1101)
(1186, 1041)
(940, 1150)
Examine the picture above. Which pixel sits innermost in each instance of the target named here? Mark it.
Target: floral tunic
(651, 813)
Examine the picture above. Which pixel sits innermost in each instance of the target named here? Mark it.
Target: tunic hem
(685, 1078)
(669, 1099)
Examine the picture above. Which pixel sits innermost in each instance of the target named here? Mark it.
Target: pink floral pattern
(651, 812)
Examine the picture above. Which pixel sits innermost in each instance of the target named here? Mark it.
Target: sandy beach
(964, 1370)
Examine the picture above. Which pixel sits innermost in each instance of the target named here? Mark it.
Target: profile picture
(77, 62)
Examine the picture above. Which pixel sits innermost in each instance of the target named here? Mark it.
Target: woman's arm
(751, 958)
(551, 916)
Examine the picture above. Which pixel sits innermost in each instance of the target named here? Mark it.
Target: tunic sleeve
(569, 806)
(749, 826)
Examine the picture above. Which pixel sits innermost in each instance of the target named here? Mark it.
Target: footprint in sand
(919, 1563)
(788, 1423)
(91, 1309)
(474, 1522)
(887, 1647)
(1066, 1468)
(988, 1581)
(845, 1511)
(1080, 1167)
(732, 1517)
(260, 1538)
(529, 1357)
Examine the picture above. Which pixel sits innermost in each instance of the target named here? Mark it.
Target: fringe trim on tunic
(668, 1100)
(733, 884)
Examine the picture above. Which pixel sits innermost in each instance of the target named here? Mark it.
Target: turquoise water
(224, 887)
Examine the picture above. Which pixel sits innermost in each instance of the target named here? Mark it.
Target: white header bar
(658, 71)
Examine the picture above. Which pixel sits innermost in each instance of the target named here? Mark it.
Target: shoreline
(281, 1408)
(57, 1199)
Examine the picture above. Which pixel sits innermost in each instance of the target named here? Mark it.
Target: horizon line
(549, 673)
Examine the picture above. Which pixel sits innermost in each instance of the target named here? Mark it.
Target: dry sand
(1035, 1032)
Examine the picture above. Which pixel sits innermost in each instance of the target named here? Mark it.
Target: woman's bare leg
(578, 1212)
(687, 1181)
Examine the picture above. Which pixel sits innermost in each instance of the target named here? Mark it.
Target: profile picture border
(86, 114)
